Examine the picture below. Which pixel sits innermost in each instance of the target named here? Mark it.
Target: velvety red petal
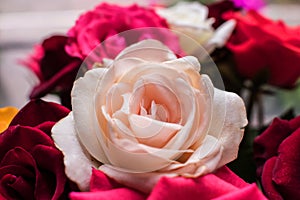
(268, 38)
(286, 172)
(18, 174)
(46, 127)
(266, 144)
(267, 183)
(295, 123)
(38, 111)
(50, 162)
(65, 77)
(22, 136)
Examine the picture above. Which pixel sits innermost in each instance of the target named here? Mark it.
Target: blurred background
(25, 23)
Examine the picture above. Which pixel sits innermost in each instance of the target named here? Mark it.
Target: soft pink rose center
(157, 102)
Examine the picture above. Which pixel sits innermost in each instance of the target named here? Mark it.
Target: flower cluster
(57, 60)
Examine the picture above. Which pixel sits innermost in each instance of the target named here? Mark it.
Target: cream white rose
(191, 18)
(148, 115)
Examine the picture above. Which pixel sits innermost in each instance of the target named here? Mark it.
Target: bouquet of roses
(144, 113)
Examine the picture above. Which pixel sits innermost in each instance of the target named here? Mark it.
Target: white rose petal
(81, 162)
(190, 19)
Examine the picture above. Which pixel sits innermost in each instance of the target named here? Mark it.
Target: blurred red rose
(261, 44)
(31, 167)
(55, 69)
(107, 20)
(223, 184)
(277, 155)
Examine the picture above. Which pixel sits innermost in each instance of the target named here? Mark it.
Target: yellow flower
(6, 115)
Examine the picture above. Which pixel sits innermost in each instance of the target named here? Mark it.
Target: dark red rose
(223, 184)
(106, 20)
(31, 167)
(55, 69)
(260, 44)
(277, 155)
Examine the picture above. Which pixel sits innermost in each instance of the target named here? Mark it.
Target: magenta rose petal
(248, 192)
(101, 182)
(184, 188)
(116, 194)
(103, 187)
(106, 20)
(46, 111)
(207, 187)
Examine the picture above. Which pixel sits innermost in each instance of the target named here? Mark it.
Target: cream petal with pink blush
(147, 115)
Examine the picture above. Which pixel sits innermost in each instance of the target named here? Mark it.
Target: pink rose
(223, 184)
(260, 44)
(31, 167)
(277, 155)
(106, 20)
(57, 60)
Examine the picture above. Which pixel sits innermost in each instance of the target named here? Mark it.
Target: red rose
(55, 69)
(31, 167)
(262, 44)
(278, 158)
(223, 184)
(107, 20)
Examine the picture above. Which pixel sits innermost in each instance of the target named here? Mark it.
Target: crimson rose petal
(31, 167)
(37, 112)
(256, 42)
(267, 174)
(278, 156)
(286, 172)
